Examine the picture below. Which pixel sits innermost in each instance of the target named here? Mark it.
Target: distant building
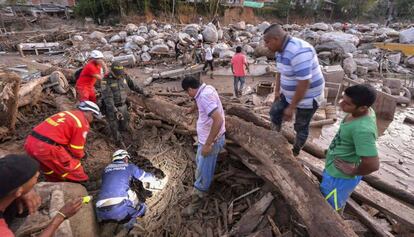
(63, 3)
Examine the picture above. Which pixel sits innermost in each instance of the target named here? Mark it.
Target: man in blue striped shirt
(299, 84)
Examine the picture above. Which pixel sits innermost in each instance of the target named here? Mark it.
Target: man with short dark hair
(210, 134)
(18, 175)
(353, 152)
(299, 85)
(239, 66)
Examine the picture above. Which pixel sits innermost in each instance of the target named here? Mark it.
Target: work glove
(119, 115)
(156, 185)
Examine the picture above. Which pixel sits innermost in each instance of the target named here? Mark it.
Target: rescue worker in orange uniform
(94, 70)
(58, 143)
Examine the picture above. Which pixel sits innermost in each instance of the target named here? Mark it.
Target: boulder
(138, 40)
(263, 26)
(210, 33)
(108, 55)
(226, 54)
(192, 30)
(362, 71)
(131, 28)
(336, 46)
(349, 66)
(394, 58)
(184, 37)
(161, 48)
(311, 36)
(171, 44)
(142, 29)
(363, 28)
(337, 26)
(371, 64)
(246, 34)
(320, 26)
(261, 50)
(77, 38)
(241, 25)
(167, 27)
(410, 62)
(145, 48)
(103, 40)
(248, 49)
(220, 34)
(338, 36)
(123, 34)
(373, 25)
(153, 33)
(251, 28)
(407, 36)
(158, 41)
(131, 46)
(145, 57)
(387, 31)
(96, 35)
(116, 38)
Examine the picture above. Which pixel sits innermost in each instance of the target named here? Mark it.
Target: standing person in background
(200, 37)
(94, 70)
(208, 57)
(239, 66)
(299, 88)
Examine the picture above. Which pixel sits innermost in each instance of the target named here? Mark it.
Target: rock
(138, 40)
(184, 37)
(218, 48)
(373, 25)
(123, 34)
(375, 52)
(192, 30)
(145, 57)
(161, 48)
(142, 29)
(337, 26)
(388, 31)
(363, 28)
(251, 28)
(108, 55)
(103, 40)
(131, 46)
(349, 66)
(395, 58)
(407, 36)
(210, 33)
(368, 38)
(116, 38)
(145, 48)
(262, 50)
(131, 28)
(263, 26)
(220, 34)
(167, 27)
(158, 41)
(248, 49)
(77, 38)
(320, 26)
(324, 54)
(226, 54)
(241, 25)
(410, 62)
(153, 33)
(171, 44)
(245, 34)
(371, 64)
(96, 35)
(337, 46)
(338, 36)
(311, 36)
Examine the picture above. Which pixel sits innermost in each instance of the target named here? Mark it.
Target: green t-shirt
(355, 139)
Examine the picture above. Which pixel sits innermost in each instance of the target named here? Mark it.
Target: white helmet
(90, 106)
(96, 54)
(120, 155)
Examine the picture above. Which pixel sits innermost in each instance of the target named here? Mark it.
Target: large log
(272, 150)
(249, 116)
(9, 99)
(28, 87)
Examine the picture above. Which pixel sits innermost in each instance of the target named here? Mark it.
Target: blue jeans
(302, 120)
(337, 190)
(236, 81)
(206, 165)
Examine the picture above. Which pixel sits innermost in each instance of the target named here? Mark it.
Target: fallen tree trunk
(272, 150)
(9, 99)
(28, 87)
(32, 97)
(249, 116)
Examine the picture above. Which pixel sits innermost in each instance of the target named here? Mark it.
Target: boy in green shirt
(353, 152)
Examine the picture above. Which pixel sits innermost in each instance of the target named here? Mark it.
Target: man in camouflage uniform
(114, 88)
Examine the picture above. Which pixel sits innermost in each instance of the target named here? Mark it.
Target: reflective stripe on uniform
(78, 122)
(335, 196)
(65, 174)
(49, 173)
(76, 147)
(51, 122)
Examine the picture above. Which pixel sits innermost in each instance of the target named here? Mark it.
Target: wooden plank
(406, 49)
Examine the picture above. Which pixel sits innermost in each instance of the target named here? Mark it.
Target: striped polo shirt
(299, 61)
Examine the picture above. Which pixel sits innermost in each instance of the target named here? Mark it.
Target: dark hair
(190, 82)
(273, 27)
(361, 95)
(238, 49)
